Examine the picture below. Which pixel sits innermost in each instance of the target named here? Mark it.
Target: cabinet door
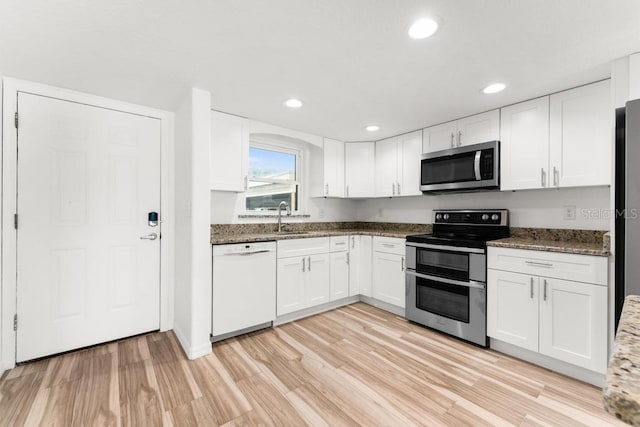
(360, 265)
(333, 153)
(439, 137)
(409, 150)
(389, 278)
(229, 152)
(512, 308)
(524, 145)
(359, 169)
(479, 128)
(318, 281)
(339, 275)
(292, 274)
(386, 167)
(580, 136)
(573, 323)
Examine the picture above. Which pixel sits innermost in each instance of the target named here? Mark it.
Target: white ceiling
(349, 61)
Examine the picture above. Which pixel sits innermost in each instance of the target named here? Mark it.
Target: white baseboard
(296, 315)
(582, 374)
(192, 351)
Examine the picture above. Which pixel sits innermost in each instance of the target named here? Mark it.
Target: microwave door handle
(476, 165)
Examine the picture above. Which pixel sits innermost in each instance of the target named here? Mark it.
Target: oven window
(457, 168)
(453, 265)
(446, 300)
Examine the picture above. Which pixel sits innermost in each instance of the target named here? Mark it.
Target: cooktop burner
(466, 228)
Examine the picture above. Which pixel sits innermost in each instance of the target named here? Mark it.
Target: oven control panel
(471, 217)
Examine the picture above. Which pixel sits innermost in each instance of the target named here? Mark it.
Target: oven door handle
(469, 284)
(446, 248)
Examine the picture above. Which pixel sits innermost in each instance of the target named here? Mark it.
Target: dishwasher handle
(248, 253)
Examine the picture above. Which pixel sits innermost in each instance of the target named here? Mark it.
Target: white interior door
(87, 179)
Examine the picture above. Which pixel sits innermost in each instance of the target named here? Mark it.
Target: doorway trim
(8, 284)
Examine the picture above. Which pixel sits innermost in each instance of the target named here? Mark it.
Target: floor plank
(355, 365)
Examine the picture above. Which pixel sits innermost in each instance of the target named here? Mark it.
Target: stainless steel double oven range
(446, 274)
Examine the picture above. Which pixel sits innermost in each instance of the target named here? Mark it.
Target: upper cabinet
(580, 136)
(333, 167)
(229, 150)
(562, 140)
(475, 129)
(359, 169)
(398, 165)
(524, 145)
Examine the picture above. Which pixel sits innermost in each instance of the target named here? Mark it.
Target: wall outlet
(569, 213)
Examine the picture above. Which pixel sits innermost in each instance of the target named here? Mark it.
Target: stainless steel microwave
(462, 169)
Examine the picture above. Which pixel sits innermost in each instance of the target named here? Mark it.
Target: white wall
(192, 323)
(534, 208)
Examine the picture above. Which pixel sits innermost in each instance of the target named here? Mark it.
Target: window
(273, 178)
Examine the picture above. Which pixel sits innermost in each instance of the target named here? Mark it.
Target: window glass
(272, 179)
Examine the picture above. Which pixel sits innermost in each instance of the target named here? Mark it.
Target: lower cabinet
(388, 270)
(303, 280)
(360, 265)
(562, 319)
(339, 275)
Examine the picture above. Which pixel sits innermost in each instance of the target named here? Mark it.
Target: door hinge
(15, 221)
(15, 120)
(15, 322)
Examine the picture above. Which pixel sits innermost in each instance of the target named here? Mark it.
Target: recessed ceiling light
(293, 103)
(423, 28)
(372, 128)
(494, 88)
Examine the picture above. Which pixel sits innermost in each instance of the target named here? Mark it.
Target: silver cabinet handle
(542, 184)
(459, 138)
(545, 289)
(539, 264)
(348, 260)
(353, 242)
(398, 185)
(393, 189)
(340, 243)
(303, 269)
(388, 245)
(555, 176)
(402, 264)
(452, 139)
(347, 191)
(309, 263)
(152, 236)
(246, 182)
(326, 189)
(531, 289)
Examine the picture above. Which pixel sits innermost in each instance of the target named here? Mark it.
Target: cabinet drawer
(339, 243)
(301, 247)
(577, 268)
(390, 245)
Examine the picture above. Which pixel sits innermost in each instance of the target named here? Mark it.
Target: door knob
(152, 236)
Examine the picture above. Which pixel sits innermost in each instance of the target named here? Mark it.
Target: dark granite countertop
(621, 391)
(582, 242)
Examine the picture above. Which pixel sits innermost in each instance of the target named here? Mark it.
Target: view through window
(272, 179)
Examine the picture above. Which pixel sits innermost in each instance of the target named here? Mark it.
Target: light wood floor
(356, 365)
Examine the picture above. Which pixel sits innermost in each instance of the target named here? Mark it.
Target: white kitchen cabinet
(389, 270)
(470, 130)
(339, 275)
(333, 168)
(512, 308)
(524, 145)
(304, 274)
(580, 136)
(291, 284)
(534, 307)
(359, 169)
(573, 323)
(360, 265)
(562, 140)
(398, 165)
(229, 152)
(439, 137)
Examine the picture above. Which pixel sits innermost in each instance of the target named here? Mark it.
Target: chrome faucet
(283, 204)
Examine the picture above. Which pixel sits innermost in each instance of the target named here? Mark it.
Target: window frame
(296, 150)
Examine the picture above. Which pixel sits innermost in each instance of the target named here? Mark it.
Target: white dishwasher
(244, 288)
